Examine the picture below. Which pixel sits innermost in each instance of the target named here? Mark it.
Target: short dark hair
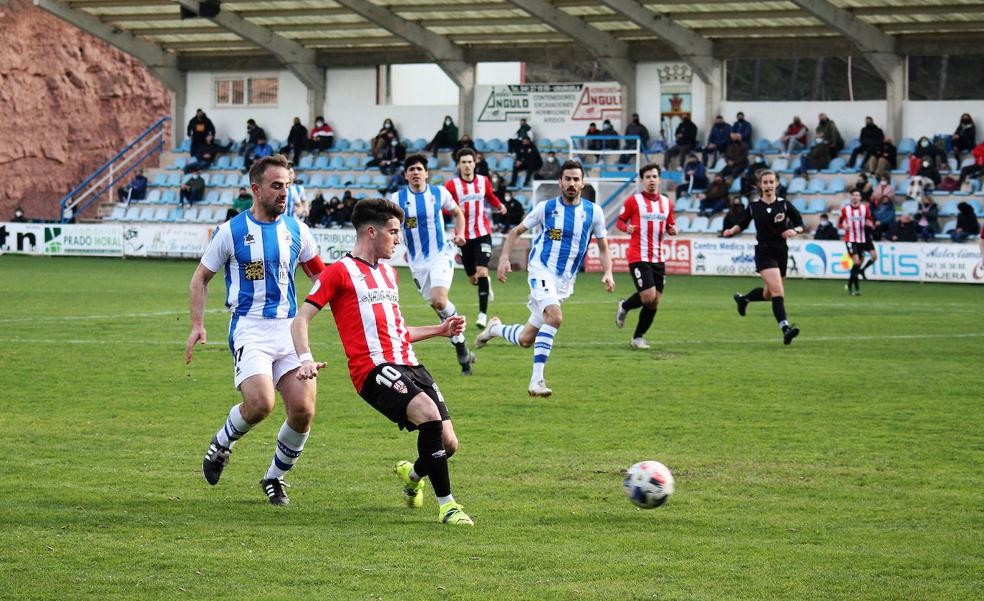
(260, 166)
(650, 167)
(375, 211)
(464, 152)
(414, 159)
(571, 164)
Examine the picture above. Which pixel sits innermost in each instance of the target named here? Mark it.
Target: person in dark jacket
(817, 158)
(446, 137)
(927, 219)
(715, 198)
(925, 149)
(967, 224)
(135, 190)
(871, 139)
(826, 229)
(607, 129)
(742, 128)
(199, 128)
(253, 134)
(717, 140)
(297, 140)
(635, 128)
(965, 137)
(522, 132)
(884, 216)
(736, 158)
(686, 140)
(828, 129)
(905, 229)
(694, 176)
(885, 160)
(734, 216)
(527, 159)
(592, 132)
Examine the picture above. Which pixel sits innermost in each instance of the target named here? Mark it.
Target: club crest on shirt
(554, 233)
(779, 217)
(248, 239)
(411, 222)
(254, 270)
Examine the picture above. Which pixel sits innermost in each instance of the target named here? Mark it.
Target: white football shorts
(546, 289)
(434, 273)
(261, 346)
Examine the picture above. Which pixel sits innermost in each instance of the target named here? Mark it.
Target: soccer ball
(648, 484)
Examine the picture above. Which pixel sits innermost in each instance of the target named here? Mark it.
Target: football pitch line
(679, 342)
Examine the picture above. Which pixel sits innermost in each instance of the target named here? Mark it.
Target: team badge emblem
(400, 387)
(779, 217)
(248, 239)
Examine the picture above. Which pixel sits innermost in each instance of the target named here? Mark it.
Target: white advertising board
(554, 110)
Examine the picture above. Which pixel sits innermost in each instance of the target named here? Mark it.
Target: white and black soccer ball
(648, 484)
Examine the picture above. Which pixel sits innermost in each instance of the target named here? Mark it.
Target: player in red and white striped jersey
(854, 217)
(471, 191)
(648, 218)
(365, 300)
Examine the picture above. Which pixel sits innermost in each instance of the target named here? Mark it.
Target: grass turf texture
(847, 466)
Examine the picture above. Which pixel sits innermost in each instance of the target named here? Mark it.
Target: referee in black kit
(775, 222)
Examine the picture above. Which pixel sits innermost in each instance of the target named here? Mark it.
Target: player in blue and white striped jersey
(259, 250)
(430, 251)
(566, 225)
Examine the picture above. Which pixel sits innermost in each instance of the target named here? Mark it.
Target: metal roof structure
(353, 32)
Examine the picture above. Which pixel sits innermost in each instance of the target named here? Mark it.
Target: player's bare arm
(197, 293)
(606, 264)
(459, 226)
(731, 231)
(451, 326)
(299, 333)
(504, 265)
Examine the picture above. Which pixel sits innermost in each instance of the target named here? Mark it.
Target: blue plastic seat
(836, 186)
(306, 162)
(217, 180)
(816, 206)
(169, 197)
(212, 197)
(321, 162)
(179, 163)
(224, 162)
(800, 203)
(342, 144)
(159, 180)
(907, 146)
(174, 180)
(816, 186)
(337, 163)
(354, 163)
(317, 180)
(797, 186)
(238, 163)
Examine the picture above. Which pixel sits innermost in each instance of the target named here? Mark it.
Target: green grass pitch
(846, 466)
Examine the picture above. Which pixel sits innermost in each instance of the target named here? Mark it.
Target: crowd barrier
(899, 261)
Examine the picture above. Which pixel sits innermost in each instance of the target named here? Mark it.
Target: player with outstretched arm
(259, 251)
(776, 221)
(566, 225)
(364, 297)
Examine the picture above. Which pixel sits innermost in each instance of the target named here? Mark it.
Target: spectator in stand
(736, 158)
(387, 127)
(694, 176)
(965, 138)
(925, 149)
(715, 198)
(551, 168)
(19, 216)
(870, 142)
(135, 190)
(885, 160)
(717, 141)
(592, 133)
(686, 140)
(498, 184)
(465, 142)
(253, 134)
(260, 149)
(333, 212)
(883, 189)
(928, 170)
(967, 224)
(391, 156)
(828, 129)
(322, 136)
(734, 216)
(607, 129)
(524, 131)
(826, 229)
(514, 211)
(975, 170)
(905, 229)
(193, 190)
(795, 137)
(742, 128)
(317, 212)
(206, 154)
(927, 219)
(635, 128)
(242, 202)
(817, 158)
(884, 217)
(750, 178)
(481, 165)
(297, 141)
(446, 137)
(862, 185)
(527, 160)
(199, 128)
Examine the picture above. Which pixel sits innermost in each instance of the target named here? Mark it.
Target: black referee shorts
(767, 257)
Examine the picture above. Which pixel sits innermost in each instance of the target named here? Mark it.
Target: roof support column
(896, 92)
(176, 83)
(466, 101)
(714, 93)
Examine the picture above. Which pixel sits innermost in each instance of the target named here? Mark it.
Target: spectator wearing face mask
(826, 229)
(635, 128)
(965, 137)
(967, 224)
(926, 150)
(481, 165)
(446, 137)
(607, 129)
(322, 136)
(795, 137)
(870, 140)
(975, 170)
(734, 216)
(885, 160)
(884, 189)
(551, 168)
(884, 216)
(717, 141)
(905, 229)
(828, 129)
(817, 158)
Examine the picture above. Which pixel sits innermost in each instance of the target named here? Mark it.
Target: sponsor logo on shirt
(254, 270)
(380, 295)
(554, 233)
(411, 222)
(248, 239)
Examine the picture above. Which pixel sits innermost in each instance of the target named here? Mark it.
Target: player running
(430, 253)
(259, 250)
(647, 217)
(381, 359)
(854, 220)
(566, 225)
(471, 191)
(775, 222)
